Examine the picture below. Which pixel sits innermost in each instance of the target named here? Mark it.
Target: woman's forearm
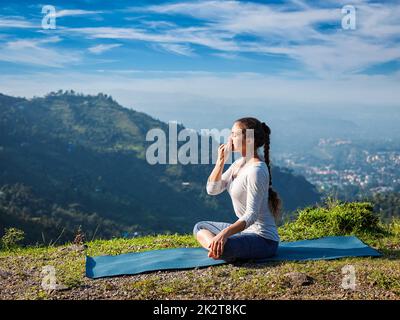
(236, 227)
(217, 171)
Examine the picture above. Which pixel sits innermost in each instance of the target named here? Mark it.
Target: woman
(249, 183)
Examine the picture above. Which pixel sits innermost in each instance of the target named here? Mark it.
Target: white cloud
(75, 12)
(33, 52)
(232, 28)
(102, 48)
(290, 29)
(194, 35)
(16, 22)
(229, 56)
(156, 24)
(183, 50)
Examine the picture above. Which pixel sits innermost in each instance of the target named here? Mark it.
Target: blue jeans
(240, 246)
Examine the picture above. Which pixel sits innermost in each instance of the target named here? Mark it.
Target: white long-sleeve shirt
(249, 193)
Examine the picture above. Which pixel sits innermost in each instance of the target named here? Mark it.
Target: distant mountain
(69, 159)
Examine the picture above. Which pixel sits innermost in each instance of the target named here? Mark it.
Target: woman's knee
(212, 226)
(209, 225)
(197, 227)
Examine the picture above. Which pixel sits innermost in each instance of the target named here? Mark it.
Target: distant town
(347, 169)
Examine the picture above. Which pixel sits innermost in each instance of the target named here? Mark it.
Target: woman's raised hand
(224, 150)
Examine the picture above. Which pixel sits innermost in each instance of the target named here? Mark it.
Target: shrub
(394, 227)
(11, 238)
(335, 219)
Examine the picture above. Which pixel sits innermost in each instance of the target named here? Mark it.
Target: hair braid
(267, 131)
(275, 202)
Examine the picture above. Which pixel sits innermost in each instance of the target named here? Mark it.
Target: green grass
(118, 245)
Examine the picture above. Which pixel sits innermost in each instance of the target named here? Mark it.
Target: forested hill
(69, 159)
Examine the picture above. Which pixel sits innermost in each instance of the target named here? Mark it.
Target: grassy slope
(376, 278)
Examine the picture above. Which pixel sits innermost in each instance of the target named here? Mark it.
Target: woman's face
(238, 141)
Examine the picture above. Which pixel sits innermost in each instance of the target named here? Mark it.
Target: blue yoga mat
(187, 258)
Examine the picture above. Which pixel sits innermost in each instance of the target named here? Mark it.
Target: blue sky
(172, 58)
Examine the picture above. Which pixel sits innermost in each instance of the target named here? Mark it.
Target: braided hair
(262, 138)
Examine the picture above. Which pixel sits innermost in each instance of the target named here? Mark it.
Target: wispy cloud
(75, 12)
(157, 24)
(292, 29)
(179, 49)
(307, 34)
(229, 56)
(102, 48)
(16, 22)
(34, 52)
(190, 35)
